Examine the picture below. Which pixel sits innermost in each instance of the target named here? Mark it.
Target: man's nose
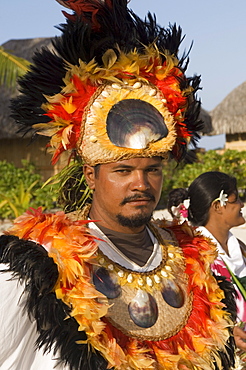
(140, 181)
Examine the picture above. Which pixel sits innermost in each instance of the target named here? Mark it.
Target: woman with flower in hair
(177, 205)
(214, 207)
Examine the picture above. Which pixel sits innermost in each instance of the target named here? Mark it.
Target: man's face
(125, 192)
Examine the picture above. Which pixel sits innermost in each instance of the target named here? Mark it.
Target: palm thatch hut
(229, 118)
(13, 147)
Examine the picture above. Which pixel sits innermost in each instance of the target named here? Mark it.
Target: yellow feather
(109, 58)
(69, 106)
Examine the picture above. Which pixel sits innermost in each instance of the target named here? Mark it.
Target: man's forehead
(135, 162)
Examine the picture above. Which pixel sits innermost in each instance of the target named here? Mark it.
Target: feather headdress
(113, 89)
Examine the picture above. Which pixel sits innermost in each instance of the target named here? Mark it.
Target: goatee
(134, 221)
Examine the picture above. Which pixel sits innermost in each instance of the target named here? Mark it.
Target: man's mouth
(139, 199)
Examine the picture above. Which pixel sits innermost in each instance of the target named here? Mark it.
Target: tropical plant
(21, 188)
(19, 202)
(11, 68)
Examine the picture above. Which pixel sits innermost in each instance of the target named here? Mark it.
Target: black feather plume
(31, 264)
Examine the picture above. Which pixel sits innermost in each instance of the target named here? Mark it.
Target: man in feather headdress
(101, 286)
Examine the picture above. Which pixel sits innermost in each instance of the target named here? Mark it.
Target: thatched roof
(207, 121)
(229, 117)
(24, 49)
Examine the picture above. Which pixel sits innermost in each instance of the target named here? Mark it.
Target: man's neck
(137, 247)
(104, 221)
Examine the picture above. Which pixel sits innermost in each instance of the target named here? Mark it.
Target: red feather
(88, 10)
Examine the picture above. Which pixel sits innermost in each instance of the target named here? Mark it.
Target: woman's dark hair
(204, 190)
(176, 197)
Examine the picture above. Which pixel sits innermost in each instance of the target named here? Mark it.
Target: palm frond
(11, 68)
(73, 191)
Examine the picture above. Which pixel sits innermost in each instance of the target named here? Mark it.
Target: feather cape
(58, 277)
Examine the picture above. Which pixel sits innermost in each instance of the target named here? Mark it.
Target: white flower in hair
(175, 211)
(186, 203)
(223, 198)
(181, 211)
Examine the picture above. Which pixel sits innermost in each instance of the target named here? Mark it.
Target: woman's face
(232, 211)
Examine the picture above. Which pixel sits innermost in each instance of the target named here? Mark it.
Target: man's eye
(154, 170)
(123, 171)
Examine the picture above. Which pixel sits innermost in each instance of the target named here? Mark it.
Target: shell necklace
(143, 295)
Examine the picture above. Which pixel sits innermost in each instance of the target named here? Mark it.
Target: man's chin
(134, 221)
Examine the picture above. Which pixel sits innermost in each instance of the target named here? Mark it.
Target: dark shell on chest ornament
(172, 294)
(143, 309)
(106, 283)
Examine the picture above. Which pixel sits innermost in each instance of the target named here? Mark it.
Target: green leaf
(3, 203)
(243, 281)
(237, 282)
(11, 68)
(21, 188)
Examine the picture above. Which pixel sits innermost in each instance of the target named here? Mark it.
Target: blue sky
(217, 29)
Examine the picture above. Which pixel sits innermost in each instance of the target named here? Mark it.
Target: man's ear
(89, 173)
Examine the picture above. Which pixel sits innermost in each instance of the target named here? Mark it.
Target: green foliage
(11, 68)
(21, 188)
(231, 162)
(72, 188)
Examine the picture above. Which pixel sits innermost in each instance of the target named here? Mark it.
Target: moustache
(138, 196)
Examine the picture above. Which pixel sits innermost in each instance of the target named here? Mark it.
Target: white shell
(164, 273)
(116, 86)
(96, 104)
(130, 278)
(111, 267)
(93, 139)
(157, 279)
(149, 281)
(120, 273)
(105, 94)
(152, 92)
(137, 85)
(140, 282)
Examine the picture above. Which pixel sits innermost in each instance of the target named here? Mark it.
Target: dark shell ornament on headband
(134, 123)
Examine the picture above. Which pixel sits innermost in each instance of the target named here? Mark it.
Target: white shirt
(235, 261)
(17, 333)
(113, 253)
